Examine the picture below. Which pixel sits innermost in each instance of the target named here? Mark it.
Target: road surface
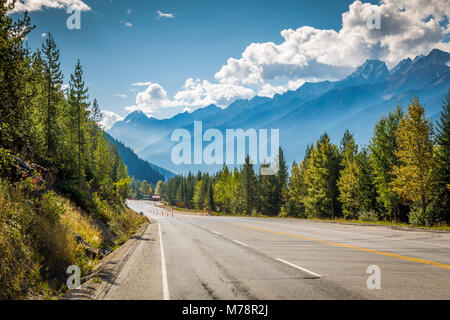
(196, 258)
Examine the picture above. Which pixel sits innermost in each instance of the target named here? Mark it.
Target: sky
(164, 57)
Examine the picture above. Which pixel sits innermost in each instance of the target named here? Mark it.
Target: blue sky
(122, 43)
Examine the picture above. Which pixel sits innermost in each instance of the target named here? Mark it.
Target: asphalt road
(195, 257)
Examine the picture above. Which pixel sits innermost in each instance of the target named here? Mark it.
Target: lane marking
(388, 254)
(216, 232)
(300, 268)
(242, 244)
(163, 267)
(374, 237)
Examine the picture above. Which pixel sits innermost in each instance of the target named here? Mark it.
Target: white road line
(163, 267)
(216, 232)
(242, 244)
(300, 268)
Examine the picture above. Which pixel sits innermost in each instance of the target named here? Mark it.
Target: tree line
(62, 183)
(403, 175)
(52, 126)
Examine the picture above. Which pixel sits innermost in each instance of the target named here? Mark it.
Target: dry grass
(82, 225)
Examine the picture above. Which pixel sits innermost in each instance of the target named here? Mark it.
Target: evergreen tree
(13, 64)
(321, 180)
(442, 197)
(79, 110)
(211, 202)
(382, 158)
(350, 195)
(54, 79)
(282, 181)
(248, 186)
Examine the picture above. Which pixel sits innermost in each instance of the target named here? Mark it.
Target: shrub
(416, 218)
(19, 267)
(368, 216)
(52, 206)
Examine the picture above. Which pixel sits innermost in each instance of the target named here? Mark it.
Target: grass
(82, 225)
(38, 243)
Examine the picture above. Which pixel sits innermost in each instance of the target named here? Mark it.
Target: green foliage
(51, 206)
(383, 158)
(414, 180)
(320, 178)
(441, 203)
(51, 149)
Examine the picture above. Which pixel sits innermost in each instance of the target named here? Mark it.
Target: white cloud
(128, 24)
(38, 5)
(195, 94)
(109, 119)
(203, 93)
(165, 15)
(295, 84)
(408, 28)
(121, 95)
(269, 91)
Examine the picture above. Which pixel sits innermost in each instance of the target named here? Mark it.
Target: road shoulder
(96, 285)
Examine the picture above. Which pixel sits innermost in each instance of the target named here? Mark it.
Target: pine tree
(13, 64)
(54, 79)
(79, 104)
(348, 183)
(414, 179)
(282, 181)
(382, 158)
(356, 192)
(320, 178)
(211, 202)
(248, 186)
(268, 193)
(442, 197)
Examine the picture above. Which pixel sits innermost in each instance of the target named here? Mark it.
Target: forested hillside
(402, 176)
(137, 168)
(62, 184)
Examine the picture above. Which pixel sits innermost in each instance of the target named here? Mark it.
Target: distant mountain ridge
(353, 103)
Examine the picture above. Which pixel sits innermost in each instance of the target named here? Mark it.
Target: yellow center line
(393, 255)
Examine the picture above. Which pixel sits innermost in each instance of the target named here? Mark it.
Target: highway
(188, 257)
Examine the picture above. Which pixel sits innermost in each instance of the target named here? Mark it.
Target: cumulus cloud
(109, 119)
(38, 5)
(269, 91)
(202, 93)
(195, 94)
(408, 28)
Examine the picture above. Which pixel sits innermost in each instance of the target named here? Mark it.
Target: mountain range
(353, 103)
